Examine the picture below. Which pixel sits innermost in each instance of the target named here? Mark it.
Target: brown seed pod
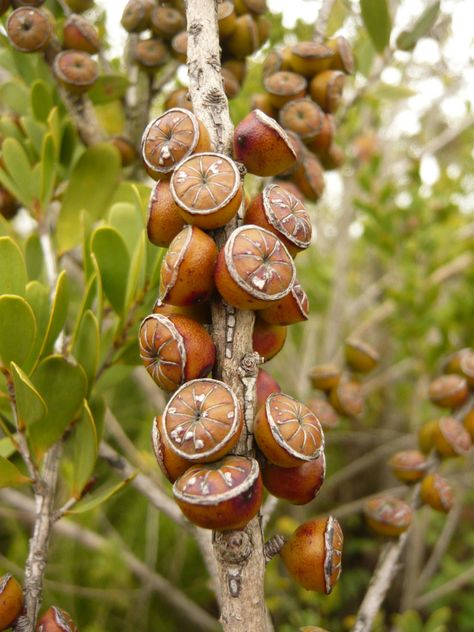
(467, 367)
(327, 88)
(291, 188)
(164, 220)
(284, 86)
(179, 98)
(79, 6)
(80, 34)
(11, 601)
(333, 158)
(360, 356)
(221, 496)
(179, 49)
(226, 18)
(265, 386)
(468, 423)
(309, 58)
(309, 177)
(436, 492)
(303, 117)
(313, 554)
(207, 189)
(56, 620)
(262, 145)
(323, 141)
(325, 376)
(171, 464)
(166, 22)
(343, 57)
(238, 67)
(202, 421)
(451, 438)
(325, 413)
(244, 39)
(254, 269)
(452, 363)
(187, 271)
(264, 27)
(298, 485)
(29, 29)
(284, 215)
(409, 466)
(231, 85)
(301, 152)
(387, 515)
(449, 391)
(260, 101)
(273, 63)
(127, 150)
(268, 339)
(136, 15)
(201, 312)
(8, 204)
(250, 6)
(150, 54)
(170, 138)
(175, 350)
(76, 70)
(294, 308)
(426, 436)
(287, 432)
(347, 398)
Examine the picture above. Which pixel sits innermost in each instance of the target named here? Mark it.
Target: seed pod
(27, 3)
(426, 436)
(250, 6)
(452, 364)
(298, 485)
(261, 102)
(267, 339)
(294, 308)
(254, 269)
(360, 356)
(169, 139)
(325, 376)
(29, 30)
(80, 34)
(436, 492)
(244, 39)
(323, 141)
(221, 496)
(179, 48)
(231, 85)
(287, 432)
(171, 464)
(449, 391)
(150, 54)
(284, 86)
(136, 15)
(468, 423)
(387, 515)
(313, 554)
(202, 421)
(264, 27)
(451, 438)
(467, 367)
(179, 98)
(164, 221)
(327, 88)
(273, 63)
(291, 188)
(262, 145)
(11, 601)
(77, 71)
(175, 350)
(347, 398)
(309, 177)
(309, 58)
(265, 386)
(207, 189)
(8, 204)
(284, 215)
(4, 6)
(304, 117)
(201, 312)
(343, 57)
(325, 413)
(300, 151)
(409, 466)
(226, 19)
(79, 6)
(238, 67)
(187, 271)
(126, 149)
(56, 620)
(166, 22)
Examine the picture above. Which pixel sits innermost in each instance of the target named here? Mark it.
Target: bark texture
(239, 554)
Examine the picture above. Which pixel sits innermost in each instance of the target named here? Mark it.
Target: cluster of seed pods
(198, 190)
(445, 437)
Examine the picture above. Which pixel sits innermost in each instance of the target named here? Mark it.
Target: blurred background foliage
(392, 261)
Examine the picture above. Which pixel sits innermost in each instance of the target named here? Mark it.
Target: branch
(441, 591)
(320, 27)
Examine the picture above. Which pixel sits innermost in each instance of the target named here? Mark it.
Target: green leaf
(85, 449)
(14, 96)
(86, 346)
(37, 296)
(17, 329)
(407, 39)
(10, 475)
(127, 219)
(48, 170)
(87, 191)
(35, 132)
(12, 268)
(136, 276)
(30, 406)
(337, 16)
(19, 170)
(58, 313)
(393, 93)
(114, 265)
(7, 447)
(377, 20)
(100, 496)
(33, 257)
(108, 88)
(68, 143)
(438, 620)
(41, 100)
(63, 387)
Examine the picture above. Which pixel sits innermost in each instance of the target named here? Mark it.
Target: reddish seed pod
(80, 34)
(179, 48)
(451, 438)
(288, 432)
(325, 413)
(29, 29)
(333, 158)
(179, 98)
(268, 339)
(56, 620)
(347, 398)
(309, 177)
(166, 22)
(303, 117)
(8, 204)
(76, 70)
(202, 421)
(238, 67)
(201, 312)
(265, 386)
(294, 308)
(449, 391)
(11, 601)
(164, 220)
(261, 102)
(150, 54)
(221, 496)
(313, 554)
(231, 85)
(387, 515)
(136, 15)
(409, 466)
(323, 141)
(127, 150)
(171, 464)
(298, 485)
(291, 188)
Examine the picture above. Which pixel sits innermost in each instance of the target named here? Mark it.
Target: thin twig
(321, 23)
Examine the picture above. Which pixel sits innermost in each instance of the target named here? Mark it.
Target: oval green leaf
(17, 330)
(12, 268)
(114, 264)
(30, 406)
(11, 475)
(377, 21)
(85, 449)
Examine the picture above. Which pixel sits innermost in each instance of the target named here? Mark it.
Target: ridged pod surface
(451, 438)
(449, 391)
(387, 515)
(29, 29)
(56, 620)
(409, 466)
(436, 492)
(171, 464)
(294, 308)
